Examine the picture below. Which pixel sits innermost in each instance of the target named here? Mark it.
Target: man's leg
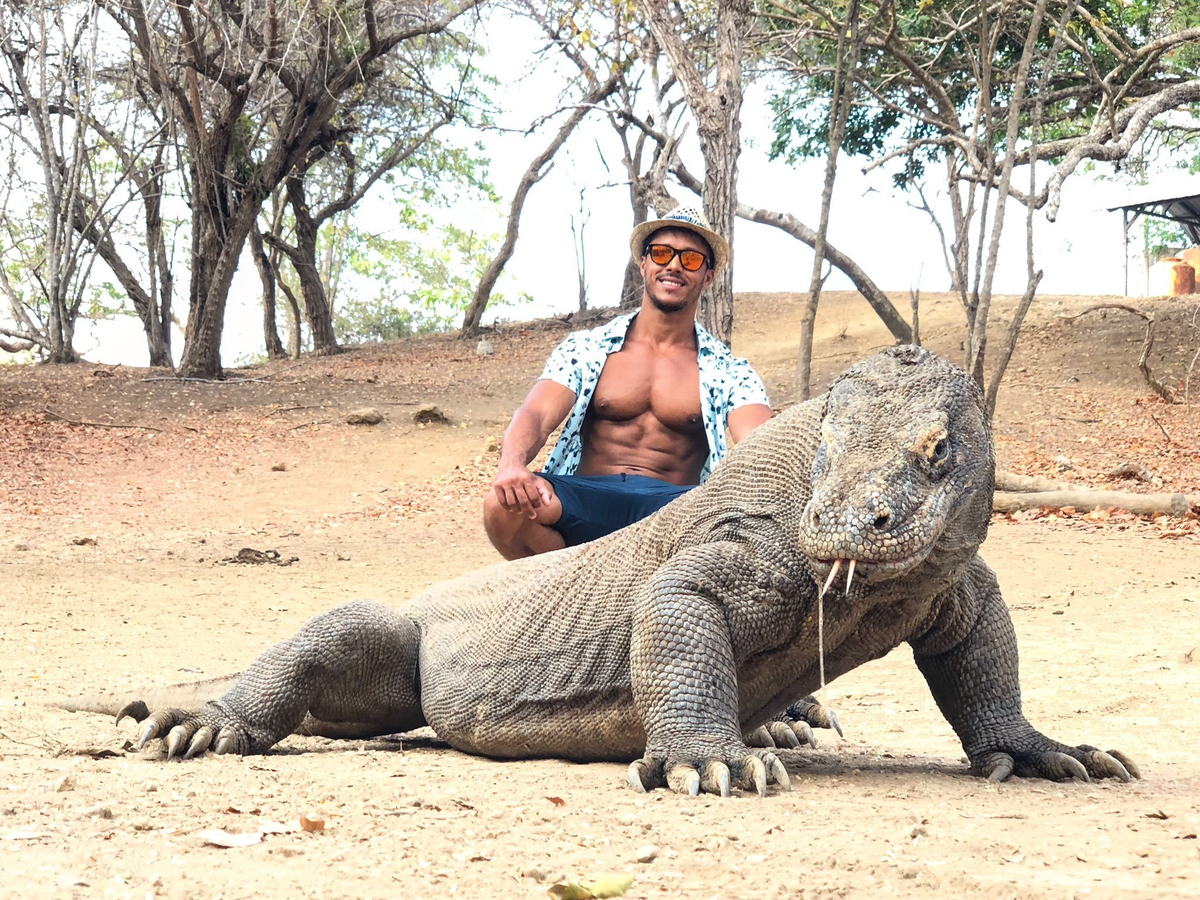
(517, 535)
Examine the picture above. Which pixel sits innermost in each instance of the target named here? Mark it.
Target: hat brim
(640, 234)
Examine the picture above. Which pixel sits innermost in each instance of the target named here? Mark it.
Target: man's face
(671, 287)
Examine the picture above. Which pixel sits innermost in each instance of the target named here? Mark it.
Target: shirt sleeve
(745, 387)
(565, 364)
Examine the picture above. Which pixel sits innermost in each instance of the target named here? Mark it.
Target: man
(646, 399)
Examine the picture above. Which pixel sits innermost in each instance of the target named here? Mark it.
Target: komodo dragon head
(904, 471)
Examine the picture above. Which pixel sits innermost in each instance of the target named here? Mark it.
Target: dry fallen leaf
(557, 801)
(604, 886)
(312, 824)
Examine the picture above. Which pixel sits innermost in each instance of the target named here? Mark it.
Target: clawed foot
(794, 726)
(1082, 763)
(713, 772)
(190, 732)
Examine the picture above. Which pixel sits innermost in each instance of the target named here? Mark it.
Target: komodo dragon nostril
(881, 521)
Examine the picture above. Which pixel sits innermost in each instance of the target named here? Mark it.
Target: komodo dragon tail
(193, 695)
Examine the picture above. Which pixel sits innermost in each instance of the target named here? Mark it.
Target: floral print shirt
(726, 383)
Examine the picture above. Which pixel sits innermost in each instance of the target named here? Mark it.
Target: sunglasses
(661, 255)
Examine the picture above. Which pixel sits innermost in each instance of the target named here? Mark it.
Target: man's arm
(543, 410)
(745, 419)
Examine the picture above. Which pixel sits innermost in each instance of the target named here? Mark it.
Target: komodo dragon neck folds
(673, 642)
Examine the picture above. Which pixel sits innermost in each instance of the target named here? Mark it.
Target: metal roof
(1178, 206)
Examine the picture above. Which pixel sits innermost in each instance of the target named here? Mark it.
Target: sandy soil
(111, 541)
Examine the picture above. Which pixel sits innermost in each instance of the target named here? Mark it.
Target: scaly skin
(677, 641)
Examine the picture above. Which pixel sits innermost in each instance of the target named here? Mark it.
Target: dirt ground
(111, 579)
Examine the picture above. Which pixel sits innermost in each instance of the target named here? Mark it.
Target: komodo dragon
(666, 642)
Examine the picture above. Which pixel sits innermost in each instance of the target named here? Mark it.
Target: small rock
(97, 812)
(493, 444)
(428, 413)
(646, 854)
(66, 783)
(20, 547)
(1064, 464)
(484, 348)
(279, 467)
(368, 415)
(84, 541)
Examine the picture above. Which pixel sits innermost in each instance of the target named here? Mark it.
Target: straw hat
(688, 218)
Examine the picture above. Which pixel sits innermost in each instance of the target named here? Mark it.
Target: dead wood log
(1086, 501)
(1008, 481)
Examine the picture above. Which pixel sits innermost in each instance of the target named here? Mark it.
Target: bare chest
(636, 381)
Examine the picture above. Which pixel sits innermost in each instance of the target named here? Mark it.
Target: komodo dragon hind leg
(354, 667)
(794, 726)
(974, 679)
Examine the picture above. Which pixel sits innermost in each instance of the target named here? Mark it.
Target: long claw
(833, 721)
(200, 741)
(716, 778)
(684, 780)
(175, 738)
(635, 775)
(1000, 767)
(782, 735)
(837, 564)
(804, 733)
(225, 743)
(1108, 766)
(147, 734)
(849, 577)
(760, 737)
(780, 774)
(1130, 766)
(758, 772)
(134, 709)
(1071, 767)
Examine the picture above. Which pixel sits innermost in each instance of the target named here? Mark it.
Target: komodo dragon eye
(941, 450)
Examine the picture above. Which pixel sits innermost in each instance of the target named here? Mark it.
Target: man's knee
(499, 523)
(515, 534)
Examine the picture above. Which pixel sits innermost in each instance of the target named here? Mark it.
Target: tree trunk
(158, 336)
(266, 274)
(304, 260)
(843, 93)
(718, 120)
(214, 261)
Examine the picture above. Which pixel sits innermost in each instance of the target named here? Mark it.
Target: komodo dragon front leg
(356, 663)
(969, 659)
(684, 672)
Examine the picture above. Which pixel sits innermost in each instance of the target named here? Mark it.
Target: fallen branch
(48, 411)
(1143, 362)
(1007, 481)
(1086, 501)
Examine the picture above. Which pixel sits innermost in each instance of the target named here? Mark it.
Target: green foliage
(895, 110)
(417, 284)
(1162, 238)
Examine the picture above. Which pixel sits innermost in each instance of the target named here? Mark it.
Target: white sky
(1081, 253)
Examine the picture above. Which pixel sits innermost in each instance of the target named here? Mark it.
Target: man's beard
(668, 306)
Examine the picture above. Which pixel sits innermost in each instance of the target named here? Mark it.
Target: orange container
(1191, 256)
(1183, 279)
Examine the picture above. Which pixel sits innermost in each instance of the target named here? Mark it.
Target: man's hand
(519, 489)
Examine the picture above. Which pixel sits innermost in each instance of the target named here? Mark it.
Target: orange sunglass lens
(662, 255)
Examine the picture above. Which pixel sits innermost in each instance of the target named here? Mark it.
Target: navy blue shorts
(596, 505)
